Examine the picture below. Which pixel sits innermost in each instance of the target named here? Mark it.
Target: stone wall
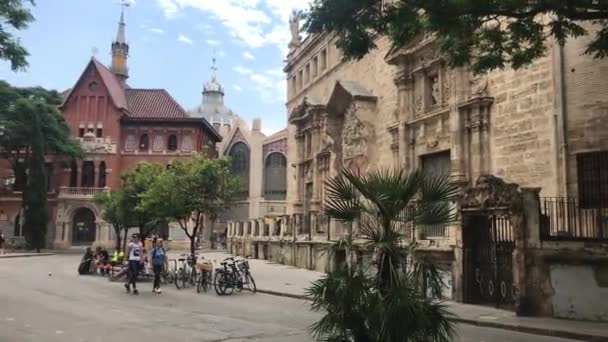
(522, 128)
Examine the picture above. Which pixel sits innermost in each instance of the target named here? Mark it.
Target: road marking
(58, 332)
(10, 319)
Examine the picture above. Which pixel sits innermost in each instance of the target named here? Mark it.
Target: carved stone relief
(435, 91)
(92, 144)
(354, 135)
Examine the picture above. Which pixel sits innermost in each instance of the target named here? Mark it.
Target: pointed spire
(120, 48)
(120, 35)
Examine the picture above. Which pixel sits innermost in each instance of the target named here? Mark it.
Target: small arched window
(172, 142)
(144, 142)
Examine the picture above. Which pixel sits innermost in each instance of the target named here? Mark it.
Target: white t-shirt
(135, 251)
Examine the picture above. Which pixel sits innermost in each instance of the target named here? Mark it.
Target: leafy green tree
(485, 34)
(18, 128)
(192, 190)
(14, 15)
(35, 204)
(400, 301)
(136, 182)
(116, 212)
(31, 128)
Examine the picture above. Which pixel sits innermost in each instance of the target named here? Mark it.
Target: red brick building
(118, 127)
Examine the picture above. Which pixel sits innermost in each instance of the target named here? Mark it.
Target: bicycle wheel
(206, 277)
(238, 281)
(199, 283)
(222, 284)
(250, 283)
(180, 279)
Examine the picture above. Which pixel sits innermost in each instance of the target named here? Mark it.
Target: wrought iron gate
(489, 242)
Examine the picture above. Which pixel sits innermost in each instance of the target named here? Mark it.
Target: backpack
(158, 258)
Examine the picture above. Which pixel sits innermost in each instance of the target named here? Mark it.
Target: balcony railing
(73, 192)
(565, 219)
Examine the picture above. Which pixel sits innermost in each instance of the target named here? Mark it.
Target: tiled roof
(153, 104)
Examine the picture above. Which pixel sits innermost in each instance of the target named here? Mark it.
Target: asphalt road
(66, 307)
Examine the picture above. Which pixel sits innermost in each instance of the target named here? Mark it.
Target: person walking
(135, 253)
(159, 259)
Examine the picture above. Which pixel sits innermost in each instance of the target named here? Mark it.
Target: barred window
(592, 171)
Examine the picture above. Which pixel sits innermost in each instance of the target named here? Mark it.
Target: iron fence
(563, 218)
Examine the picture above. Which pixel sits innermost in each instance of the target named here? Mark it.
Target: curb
(495, 325)
(9, 256)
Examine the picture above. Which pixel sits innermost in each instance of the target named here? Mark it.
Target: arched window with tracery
(172, 142)
(144, 142)
(239, 164)
(275, 177)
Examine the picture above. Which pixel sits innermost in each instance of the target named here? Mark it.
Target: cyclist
(135, 253)
(158, 257)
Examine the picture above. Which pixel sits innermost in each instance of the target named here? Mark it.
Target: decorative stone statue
(294, 26)
(436, 94)
(479, 86)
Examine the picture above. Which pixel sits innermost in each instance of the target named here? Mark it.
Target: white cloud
(221, 53)
(237, 88)
(242, 70)
(270, 87)
(184, 39)
(248, 56)
(255, 22)
(212, 42)
(156, 30)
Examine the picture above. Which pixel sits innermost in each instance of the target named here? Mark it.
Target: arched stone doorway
(83, 227)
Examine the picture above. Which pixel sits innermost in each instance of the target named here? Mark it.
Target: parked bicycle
(186, 274)
(234, 275)
(205, 268)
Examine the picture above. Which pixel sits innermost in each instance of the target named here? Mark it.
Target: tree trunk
(117, 230)
(124, 241)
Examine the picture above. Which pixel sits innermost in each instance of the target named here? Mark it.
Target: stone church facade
(542, 127)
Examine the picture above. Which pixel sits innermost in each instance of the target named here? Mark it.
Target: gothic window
(102, 174)
(324, 59)
(275, 177)
(99, 132)
(81, 132)
(592, 172)
(88, 174)
(130, 143)
(172, 143)
(144, 142)
(239, 158)
(73, 174)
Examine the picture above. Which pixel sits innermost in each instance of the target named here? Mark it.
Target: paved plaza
(66, 307)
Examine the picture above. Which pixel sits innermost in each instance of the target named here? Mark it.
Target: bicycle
(205, 277)
(233, 276)
(186, 273)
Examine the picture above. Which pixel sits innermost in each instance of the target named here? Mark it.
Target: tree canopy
(14, 15)
(485, 34)
(18, 109)
(136, 182)
(190, 190)
(117, 212)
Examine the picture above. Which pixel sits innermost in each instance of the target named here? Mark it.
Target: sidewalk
(23, 255)
(288, 281)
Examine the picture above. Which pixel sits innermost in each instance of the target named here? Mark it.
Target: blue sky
(171, 47)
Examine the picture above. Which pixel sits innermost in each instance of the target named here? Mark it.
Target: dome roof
(212, 107)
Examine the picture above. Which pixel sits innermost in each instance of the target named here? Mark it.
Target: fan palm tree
(401, 301)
